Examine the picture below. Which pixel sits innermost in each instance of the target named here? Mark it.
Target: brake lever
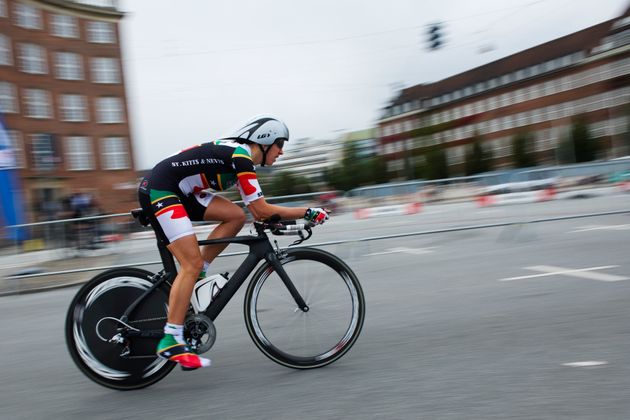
(301, 235)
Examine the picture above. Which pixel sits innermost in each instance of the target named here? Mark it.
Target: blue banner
(11, 199)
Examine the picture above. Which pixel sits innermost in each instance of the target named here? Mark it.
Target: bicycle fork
(275, 263)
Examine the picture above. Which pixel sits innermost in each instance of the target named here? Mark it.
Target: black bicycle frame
(259, 249)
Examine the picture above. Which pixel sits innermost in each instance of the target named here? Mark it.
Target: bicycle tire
(90, 321)
(260, 303)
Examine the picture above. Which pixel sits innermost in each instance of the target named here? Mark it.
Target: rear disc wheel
(93, 320)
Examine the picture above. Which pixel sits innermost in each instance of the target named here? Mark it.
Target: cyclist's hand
(316, 215)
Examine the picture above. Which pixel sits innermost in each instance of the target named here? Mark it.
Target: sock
(204, 270)
(178, 351)
(177, 331)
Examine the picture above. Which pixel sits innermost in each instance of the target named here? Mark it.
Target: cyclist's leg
(173, 227)
(186, 251)
(209, 207)
(172, 346)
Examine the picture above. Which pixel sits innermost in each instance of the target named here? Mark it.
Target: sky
(325, 67)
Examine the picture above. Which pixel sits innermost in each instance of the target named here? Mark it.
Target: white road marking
(413, 251)
(601, 227)
(585, 273)
(589, 363)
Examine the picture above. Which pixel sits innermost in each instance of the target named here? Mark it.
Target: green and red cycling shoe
(169, 348)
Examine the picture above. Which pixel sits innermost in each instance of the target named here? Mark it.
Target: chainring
(199, 332)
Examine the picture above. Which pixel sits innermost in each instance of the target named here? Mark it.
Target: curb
(517, 198)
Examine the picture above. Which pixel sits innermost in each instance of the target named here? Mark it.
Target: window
(15, 138)
(8, 102)
(455, 155)
(37, 103)
(566, 60)
(3, 8)
(105, 70)
(557, 63)
(504, 99)
(68, 66)
(535, 70)
(502, 147)
(6, 58)
(73, 108)
(79, 156)
(395, 165)
(114, 153)
(101, 32)
(64, 26)
(28, 16)
(456, 113)
(492, 102)
(577, 56)
(33, 59)
(543, 140)
(43, 152)
(109, 110)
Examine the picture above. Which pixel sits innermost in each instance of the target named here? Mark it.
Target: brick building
(63, 100)
(538, 90)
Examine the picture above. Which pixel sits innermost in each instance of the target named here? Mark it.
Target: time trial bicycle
(304, 308)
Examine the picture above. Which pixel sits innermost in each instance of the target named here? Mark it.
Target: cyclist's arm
(262, 210)
(248, 186)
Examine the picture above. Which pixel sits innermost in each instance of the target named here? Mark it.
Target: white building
(309, 157)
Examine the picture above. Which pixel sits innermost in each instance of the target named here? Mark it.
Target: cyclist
(176, 192)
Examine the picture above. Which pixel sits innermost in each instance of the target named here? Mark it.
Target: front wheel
(93, 322)
(305, 339)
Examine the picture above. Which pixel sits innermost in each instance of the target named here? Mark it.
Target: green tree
(478, 157)
(521, 156)
(565, 152)
(436, 167)
(354, 170)
(285, 183)
(584, 145)
(578, 146)
(625, 141)
(419, 167)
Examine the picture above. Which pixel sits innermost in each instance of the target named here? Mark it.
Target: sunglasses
(280, 143)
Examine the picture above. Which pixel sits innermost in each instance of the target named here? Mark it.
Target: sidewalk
(47, 261)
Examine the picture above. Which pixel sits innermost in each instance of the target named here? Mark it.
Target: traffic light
(435, 36)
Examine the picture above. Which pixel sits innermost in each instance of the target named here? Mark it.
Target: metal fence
(340, 242)
(602, 172)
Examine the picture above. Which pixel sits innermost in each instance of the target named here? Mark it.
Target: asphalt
(445, 336)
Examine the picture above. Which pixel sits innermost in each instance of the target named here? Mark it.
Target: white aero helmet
(262, 129)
